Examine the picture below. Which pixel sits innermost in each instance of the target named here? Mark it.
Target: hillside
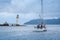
(46, 21)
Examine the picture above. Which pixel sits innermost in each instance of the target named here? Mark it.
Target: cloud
(28, 9)
(51, 17)
(5, 14)
(22, 6)
(24, 16)
(4, 3)
(9, 17)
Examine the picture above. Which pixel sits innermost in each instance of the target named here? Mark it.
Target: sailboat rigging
(42, 25)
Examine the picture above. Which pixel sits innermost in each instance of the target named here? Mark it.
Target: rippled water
(27, 33)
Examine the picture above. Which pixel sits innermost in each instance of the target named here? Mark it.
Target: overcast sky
(28, 10)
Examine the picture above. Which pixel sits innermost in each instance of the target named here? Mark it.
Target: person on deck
(38, 26)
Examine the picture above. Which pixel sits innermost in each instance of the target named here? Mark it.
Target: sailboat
(41, 27)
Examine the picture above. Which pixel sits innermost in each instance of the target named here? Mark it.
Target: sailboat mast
(42, 12)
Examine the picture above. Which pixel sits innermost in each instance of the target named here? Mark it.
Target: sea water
(28, 33)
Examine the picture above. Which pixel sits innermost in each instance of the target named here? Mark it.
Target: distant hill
(46, 21)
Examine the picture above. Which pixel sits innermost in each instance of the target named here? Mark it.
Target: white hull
(40, 30)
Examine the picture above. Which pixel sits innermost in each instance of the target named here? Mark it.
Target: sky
(28, 10)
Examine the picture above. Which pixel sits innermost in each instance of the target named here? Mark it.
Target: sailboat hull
(39, 29)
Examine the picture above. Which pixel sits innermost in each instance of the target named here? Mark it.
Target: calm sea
(28, 33)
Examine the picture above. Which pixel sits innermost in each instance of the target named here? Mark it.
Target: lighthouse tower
(17, 20)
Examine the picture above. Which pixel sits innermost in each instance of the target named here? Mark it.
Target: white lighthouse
(17, 20)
